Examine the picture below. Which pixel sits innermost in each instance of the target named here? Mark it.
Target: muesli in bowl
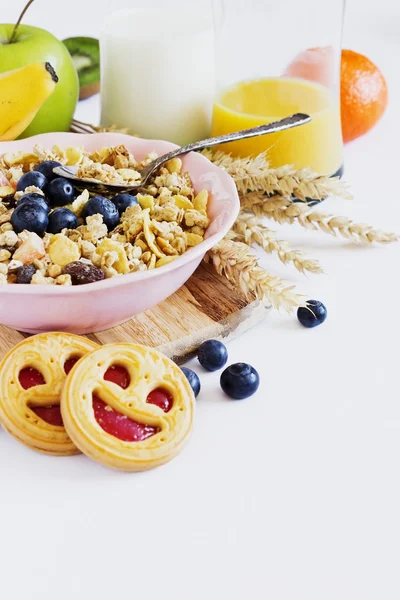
(51, 234)
(58, 306)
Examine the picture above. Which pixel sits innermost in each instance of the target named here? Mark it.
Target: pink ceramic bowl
(97, 306)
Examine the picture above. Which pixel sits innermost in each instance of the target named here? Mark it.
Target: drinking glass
(275, 58)
(158, 69)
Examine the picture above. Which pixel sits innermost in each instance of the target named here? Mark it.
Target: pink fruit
(3, 180)
(32, 248)
(6, 187)
(314, 64)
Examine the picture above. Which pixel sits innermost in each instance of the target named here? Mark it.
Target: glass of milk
(158, 70)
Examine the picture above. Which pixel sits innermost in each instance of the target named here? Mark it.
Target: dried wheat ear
(283, 196)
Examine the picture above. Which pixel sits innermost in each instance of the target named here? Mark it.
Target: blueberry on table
(101, 206)
(25, 273)
(35, 198)
(60, 192)
(46, 168)
(32, 178)
(30, 216)
(62, 218)
(212, 355)
(240, 381)
(193, 380)
(313, 314)
(123, 201)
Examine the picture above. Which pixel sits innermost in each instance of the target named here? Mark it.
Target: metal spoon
(96, 186)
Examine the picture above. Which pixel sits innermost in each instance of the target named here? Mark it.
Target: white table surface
(293, 494)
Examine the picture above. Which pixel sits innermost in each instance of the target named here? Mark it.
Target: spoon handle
(286, 123)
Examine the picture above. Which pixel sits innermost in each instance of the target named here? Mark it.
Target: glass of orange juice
(276, 58)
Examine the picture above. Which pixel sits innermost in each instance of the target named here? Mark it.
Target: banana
(22, 93)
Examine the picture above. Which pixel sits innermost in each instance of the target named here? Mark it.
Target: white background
(293, 494)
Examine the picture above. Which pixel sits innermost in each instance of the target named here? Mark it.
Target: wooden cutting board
(206, 307)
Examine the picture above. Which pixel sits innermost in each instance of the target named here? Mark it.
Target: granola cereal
(166, 219)
(63, 251)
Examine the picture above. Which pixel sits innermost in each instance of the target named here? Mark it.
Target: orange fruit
(363, 89)
(363, 94)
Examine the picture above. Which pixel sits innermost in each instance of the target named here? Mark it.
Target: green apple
(31, 45)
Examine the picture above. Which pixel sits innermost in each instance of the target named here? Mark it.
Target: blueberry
(123, 201)
(313, 314)
(61, 218)
(36, 199)
(212, 355)
(240, 381)
(193, 379)
(60, 192)
(25, 273)
(30, 216)
(46, 168)
(32, 178)
(101, 206)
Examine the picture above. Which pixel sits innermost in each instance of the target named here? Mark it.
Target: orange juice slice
(250, 103)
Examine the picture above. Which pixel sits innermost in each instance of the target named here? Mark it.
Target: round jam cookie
(128, 407)
(32, 375)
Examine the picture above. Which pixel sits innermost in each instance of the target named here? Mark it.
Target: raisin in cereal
(162, 222)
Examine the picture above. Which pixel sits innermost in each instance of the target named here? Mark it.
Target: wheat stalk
(255, 175)
(247, 172)
(305, 184)
(240, 266)
(259, 198)
(283, 210)
(249, 230)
